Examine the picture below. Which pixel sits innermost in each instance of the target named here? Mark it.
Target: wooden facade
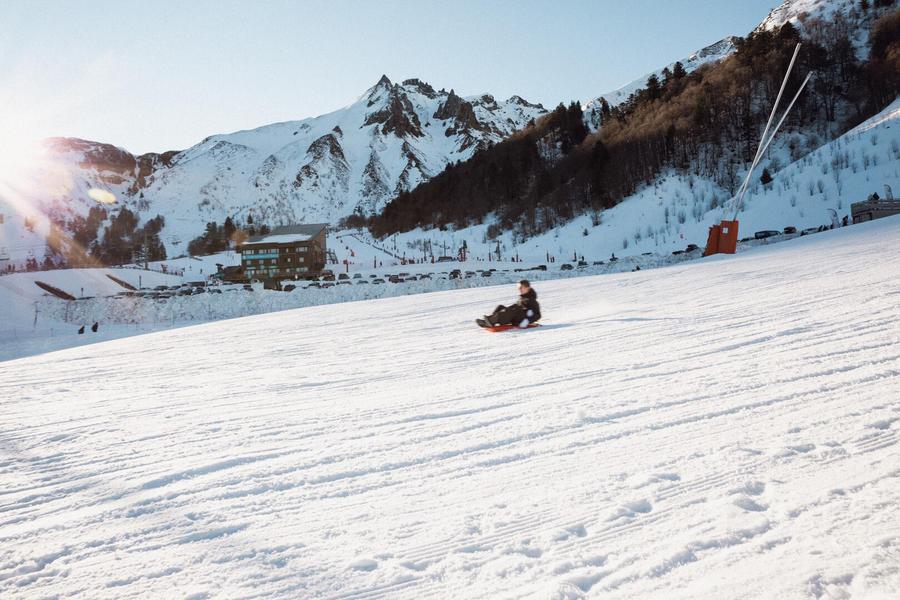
(287, 252)
(874, 209)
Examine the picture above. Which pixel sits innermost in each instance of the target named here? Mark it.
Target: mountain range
(353, 160)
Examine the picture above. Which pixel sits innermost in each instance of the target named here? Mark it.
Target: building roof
(286, 234)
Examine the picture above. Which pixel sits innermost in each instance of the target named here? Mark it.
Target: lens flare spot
(102, 196)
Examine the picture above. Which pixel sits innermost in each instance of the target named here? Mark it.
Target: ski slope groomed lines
(721, 429)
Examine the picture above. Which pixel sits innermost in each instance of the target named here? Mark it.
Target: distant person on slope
(523, 313)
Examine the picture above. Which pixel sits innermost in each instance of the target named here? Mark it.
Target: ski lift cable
(763, 148)
(756, 158)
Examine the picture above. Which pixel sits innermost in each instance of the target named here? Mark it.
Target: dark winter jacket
(528, 302)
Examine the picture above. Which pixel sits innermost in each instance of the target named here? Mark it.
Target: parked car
(691, 247)
(378, 280)
(677, 252)
(486, 273)
(441, 259)
(566, 267)
(289, 288)
(425, 276)
(541, 268)
(766, 233)
(598, 263)
(396, 279)
(342, 276)
(790, 230)
(455, 274)
(357, 276)
(345, 282)
(162, 288)
(809, 231)
(582, 264)
(366, 281)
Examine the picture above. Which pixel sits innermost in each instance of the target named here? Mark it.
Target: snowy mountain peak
(417, 85)
(709, 54)
(319, 169)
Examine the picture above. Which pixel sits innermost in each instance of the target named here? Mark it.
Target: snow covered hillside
(678, 209)
(727, 429)
(313, 170)
(30, 323)
(804, 14)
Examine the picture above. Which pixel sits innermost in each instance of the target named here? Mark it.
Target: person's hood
(530, 294)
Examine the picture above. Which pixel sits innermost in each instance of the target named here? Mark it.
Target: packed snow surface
(721, 429)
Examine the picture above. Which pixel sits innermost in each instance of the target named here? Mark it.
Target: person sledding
(524, 313)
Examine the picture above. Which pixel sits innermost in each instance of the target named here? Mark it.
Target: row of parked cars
(192, 288)
(768, 233)
(328, 280)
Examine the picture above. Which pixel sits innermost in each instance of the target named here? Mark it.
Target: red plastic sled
(499, 328)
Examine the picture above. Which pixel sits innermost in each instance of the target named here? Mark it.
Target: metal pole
(787, 75)
(784, 116)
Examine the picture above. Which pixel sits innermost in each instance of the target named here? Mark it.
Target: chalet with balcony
(287, 252)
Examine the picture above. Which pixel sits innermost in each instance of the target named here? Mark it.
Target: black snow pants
(507, 315)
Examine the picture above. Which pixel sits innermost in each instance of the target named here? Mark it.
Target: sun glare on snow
(102, 196)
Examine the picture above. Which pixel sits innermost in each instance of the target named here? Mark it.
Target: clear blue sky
(152, 76)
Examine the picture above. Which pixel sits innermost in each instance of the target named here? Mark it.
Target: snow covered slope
(726, 429)
(314, 170)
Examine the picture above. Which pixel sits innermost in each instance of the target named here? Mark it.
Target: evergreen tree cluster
(123, 241)
(216, 238)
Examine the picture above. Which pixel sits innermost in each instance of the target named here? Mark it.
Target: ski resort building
(288, 252)
(874, 208)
